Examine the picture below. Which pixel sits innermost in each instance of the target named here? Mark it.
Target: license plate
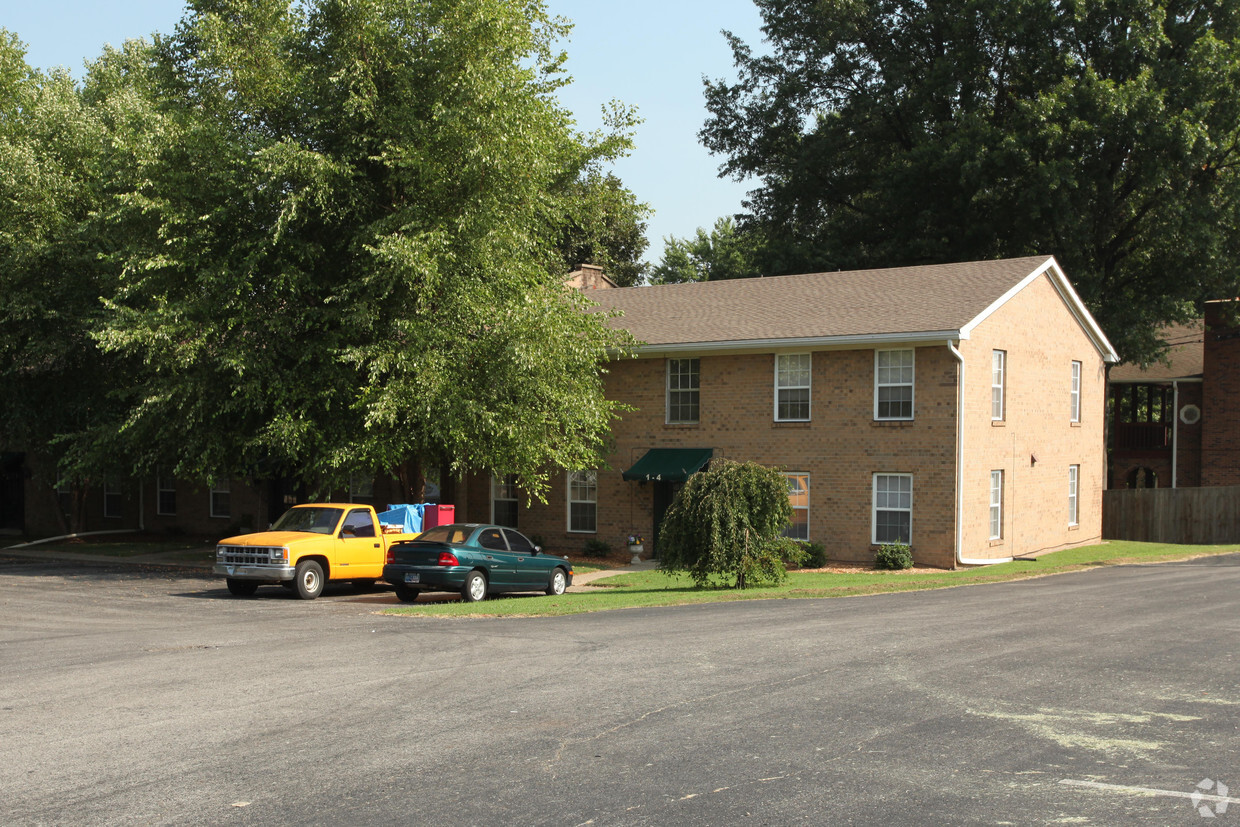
(412, 577)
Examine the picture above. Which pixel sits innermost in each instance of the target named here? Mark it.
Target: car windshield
(313, 520)
(445, 534)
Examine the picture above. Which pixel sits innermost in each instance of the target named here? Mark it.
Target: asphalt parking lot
(138, 694)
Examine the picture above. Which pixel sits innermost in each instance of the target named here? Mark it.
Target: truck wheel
(309, 579)
(242, 588)
(406, 594)
(559, 582)
(475, 587)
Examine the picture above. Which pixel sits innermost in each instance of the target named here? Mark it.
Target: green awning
(669, 464)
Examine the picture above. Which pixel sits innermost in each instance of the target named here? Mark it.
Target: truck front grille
(246, 555)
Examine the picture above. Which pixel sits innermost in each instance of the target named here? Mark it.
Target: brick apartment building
(1176, 423)
(959, 408)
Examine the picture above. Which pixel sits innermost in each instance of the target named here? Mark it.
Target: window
(1075, 405)
(220, 499)
(792, 372)
(798, 497)
(893, 508)
(683, 383)
(358, 523)
(893, 384)
(165, 494)
(1074, 476)
(493, 538)
(998, 366)
(518, 542)
(996, 505)
(361, 488)
(64, 498)
(504, 500)
(113, 500)
(583, 501)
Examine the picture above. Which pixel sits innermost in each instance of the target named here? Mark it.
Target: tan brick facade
(842, 447)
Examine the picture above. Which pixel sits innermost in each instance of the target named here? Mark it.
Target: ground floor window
(220, 495)
(798, 498)
(113, 500)
(1074, 477)
(893, 508)
(996, 505)
(361, 488)
(166, 494)
(583, 501)
(504, 500)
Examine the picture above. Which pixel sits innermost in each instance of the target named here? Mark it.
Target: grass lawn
(654, 588)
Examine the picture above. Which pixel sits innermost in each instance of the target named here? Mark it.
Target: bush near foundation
(893, 556)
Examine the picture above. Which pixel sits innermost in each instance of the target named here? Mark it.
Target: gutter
(961, 560)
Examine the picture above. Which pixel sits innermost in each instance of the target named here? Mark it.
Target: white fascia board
(1181, 379)
(1084, 318)
(924, 337)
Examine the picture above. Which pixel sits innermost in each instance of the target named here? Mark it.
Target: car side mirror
(538, 549)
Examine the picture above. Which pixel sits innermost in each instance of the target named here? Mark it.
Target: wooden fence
(1205, 516)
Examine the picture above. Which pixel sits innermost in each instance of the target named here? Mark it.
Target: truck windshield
(313, 520)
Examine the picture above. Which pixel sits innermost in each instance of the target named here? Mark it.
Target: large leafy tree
(722, 253)
(889, 132)
(340, 247)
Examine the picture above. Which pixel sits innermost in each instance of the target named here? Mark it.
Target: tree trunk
(412, 480)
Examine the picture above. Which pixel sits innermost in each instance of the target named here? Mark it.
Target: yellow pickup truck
(306, 547)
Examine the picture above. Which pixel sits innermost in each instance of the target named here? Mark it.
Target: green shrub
(815, 555)
(893, 556)
(596, 548)
(727, 523)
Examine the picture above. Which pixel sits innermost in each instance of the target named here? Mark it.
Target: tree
(606, 226)
(727, 522)
(338, 251)
(892, 132)
(722, 254)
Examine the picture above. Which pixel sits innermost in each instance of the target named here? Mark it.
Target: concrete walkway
(586, 577)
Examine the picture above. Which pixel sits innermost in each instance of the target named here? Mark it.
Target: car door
(360, 548)
(498, 558)
(531, 569)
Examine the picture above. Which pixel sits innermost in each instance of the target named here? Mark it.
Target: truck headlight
(219, 552)
(279, 555)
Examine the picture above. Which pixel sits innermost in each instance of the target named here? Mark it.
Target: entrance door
(664, 493)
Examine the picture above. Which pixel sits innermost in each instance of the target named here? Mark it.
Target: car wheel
(559, 582)
(242, 588)
(475, 587)
(406, 594)
(309, 579)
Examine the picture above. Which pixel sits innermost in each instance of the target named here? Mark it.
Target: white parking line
(1123, 788)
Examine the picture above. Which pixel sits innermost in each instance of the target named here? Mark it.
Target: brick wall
(1220, 411)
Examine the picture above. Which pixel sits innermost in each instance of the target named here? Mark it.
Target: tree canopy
(894, 132)
(329, 236)
(723, 253)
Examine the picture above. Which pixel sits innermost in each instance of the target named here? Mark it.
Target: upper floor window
(1075, 402)
(683, 383)
(798, 498)
(792, 378)
(220, 495)
(893, 384)
(583, 501)
(504, 500)
(998, 376)
(893, 508)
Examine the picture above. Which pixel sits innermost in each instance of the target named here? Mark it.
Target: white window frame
(224, 488)
(791, 476)
(874, 509)
(996, 505)
(504, 489)
(998, 385)
(1074, 490)
(783, 382)
(696, 390)
(911, 384)
(589, 484)
(1075, 403)
(160, 489)
(113, 496)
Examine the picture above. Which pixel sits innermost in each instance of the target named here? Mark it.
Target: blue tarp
(407, 515)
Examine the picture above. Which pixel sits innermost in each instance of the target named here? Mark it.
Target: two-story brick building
(958, 408)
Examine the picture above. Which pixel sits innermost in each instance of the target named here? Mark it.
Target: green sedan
(475, 560)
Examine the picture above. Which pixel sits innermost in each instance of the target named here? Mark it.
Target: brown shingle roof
(1185, 352)
(900, 300)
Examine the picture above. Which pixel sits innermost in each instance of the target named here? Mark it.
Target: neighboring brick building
(853, 384)
(1176, 423)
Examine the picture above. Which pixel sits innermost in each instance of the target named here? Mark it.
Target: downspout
(1175, 428)
(960, 559)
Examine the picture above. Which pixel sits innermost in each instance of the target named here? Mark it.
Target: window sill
(1075, 527)
(1074, 424)
(892, 423)
(998, 423)
(994, 543)
(791, 423)
(682, 425)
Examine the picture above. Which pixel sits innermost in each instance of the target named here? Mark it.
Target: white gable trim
(1050, 268)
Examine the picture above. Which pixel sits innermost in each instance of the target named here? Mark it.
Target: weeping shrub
(726, 525)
